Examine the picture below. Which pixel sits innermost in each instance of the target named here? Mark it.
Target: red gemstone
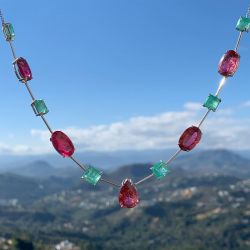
(190, 138)
(62, 144)
(229, 63)
(23, 71)
(128, 194)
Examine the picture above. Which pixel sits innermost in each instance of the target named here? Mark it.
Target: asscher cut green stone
(8, 31)
(212, 102)
(92, 175)
(39, 107)
(243, 24)
(160, 169)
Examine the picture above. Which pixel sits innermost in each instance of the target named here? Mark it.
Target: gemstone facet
(22, 69)
(8, 31)
(39, 107)
(229, 63)
(212, 102)
(92, 175)
(190, 138)
(160, 169)
(243, 24)
(62, 144)
(128, 194)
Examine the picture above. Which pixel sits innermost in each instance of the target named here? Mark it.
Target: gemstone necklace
(128, 196)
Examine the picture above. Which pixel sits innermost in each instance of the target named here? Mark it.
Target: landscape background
(124, 79)
(204, 203)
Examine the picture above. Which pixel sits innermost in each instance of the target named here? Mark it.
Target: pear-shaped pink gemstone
(128, 196)
(229, 63)
(62, 144)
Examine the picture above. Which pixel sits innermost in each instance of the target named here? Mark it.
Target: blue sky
(111, 71)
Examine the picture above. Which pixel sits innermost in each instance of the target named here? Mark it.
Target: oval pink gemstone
(190, 138)
(24, 72)
(229, 63)
(62, 144)
(128, 194)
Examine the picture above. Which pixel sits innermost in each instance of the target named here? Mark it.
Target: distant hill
(103, 160)
(203, 203)
(184, 211)
(215, 161)
(209, 161)
(27, 190)
(42, 170)
(204, 162)
(39, 169)
(133, 171)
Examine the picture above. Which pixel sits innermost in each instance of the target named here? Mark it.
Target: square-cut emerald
(8, 31)
(160, 169)
(243, 24)
(212, 102)
(39, 107)
(92, 175)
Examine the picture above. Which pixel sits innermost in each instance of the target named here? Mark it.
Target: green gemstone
(92, 175)
(160, 169)
(243, 24)
(212, 102)
(8, 31)
(39, 107)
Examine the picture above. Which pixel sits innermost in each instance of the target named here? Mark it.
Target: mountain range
(210, 161)
(202, 204)
(104, 160)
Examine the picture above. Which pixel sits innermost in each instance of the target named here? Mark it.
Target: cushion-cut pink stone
(24, 71)
(190, 138)
(229, 63)
(128, 194)
(62, 144)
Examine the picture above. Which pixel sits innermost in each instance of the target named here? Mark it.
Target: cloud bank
(222, 129)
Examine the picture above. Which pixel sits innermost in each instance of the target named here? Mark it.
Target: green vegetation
(184, 211)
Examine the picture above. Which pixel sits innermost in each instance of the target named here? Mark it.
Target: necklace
(128, 196)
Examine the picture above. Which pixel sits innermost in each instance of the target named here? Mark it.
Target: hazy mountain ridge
(193, 208)
(216, 161)
(103, 160)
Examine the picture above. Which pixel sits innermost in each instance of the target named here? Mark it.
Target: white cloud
(22, 149)
(17, 149)
(221, 130)
(136, 133)
(246, 104)
(195, 106)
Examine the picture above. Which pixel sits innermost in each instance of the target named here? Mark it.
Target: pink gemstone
(229, 63)
(190, 138)
(128, 194)
(62, 144)
(24, 73)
